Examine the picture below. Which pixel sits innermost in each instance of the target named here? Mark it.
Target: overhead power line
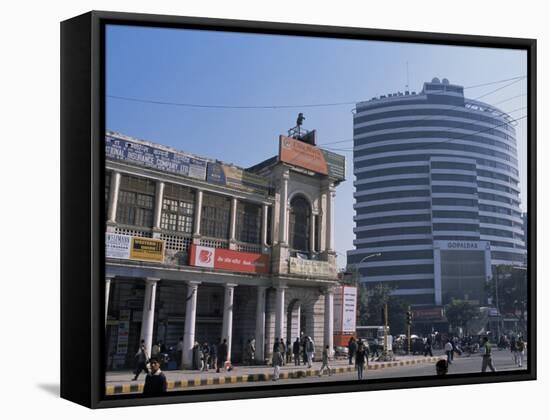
(436, 143)
(282, 106)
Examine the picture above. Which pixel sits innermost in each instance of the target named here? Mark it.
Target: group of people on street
(303, 350)
(211, 356)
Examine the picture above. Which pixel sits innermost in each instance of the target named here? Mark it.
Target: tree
(459, 312)
(511, 297)
(371, 303)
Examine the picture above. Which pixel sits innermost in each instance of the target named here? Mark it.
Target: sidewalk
(120, 382)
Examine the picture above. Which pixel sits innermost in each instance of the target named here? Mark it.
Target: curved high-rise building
(436, 194)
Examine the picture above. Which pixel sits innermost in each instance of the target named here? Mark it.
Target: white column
(323, 222)
(148, 317)
(279, 311)
(189, 328)
(198, 212)
(260, 324)
(227, 325)
(283, 216)
(329, 320)
(159, 193)
(330, 219)
(312, 234)
(264, 225)
(107, 291)
(113, 196)
(233, 223)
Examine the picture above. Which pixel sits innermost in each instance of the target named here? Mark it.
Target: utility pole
(409, 322)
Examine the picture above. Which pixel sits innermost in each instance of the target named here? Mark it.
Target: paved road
(501, 359)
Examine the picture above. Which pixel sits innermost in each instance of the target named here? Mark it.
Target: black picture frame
(82, 207)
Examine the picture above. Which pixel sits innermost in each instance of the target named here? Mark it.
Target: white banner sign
(345, 307)
(117, 246)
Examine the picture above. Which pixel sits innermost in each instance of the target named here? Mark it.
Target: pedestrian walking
(428, 347)
(375, 350)
(179, 352)
(310, 350)
(205, 350)
(282, 350)
(487, 358)
(519, 351)
(155, 351)
(352, 348)
(248, 353)
(197, 357)
(155, 381)
(222, 355)
(325, 365)
(296, 351)
(303, 341)
(288, 351)
(213, 351)
(277, 361)
(141, 359)
(449, 351)
(361, 358)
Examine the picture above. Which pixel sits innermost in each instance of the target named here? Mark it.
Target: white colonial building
(199, 249)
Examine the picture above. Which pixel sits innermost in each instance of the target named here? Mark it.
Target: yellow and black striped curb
(257, 377)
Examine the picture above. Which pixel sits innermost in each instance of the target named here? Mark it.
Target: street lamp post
(356, 267)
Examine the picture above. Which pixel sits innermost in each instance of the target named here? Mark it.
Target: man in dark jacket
(296, 351)
(222, 355)
(352, 348)
(214, 356)
(155, 381)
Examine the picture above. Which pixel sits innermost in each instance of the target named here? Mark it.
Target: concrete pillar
(264, 225)
(329, 320)
(113, 197)
(148, 316)
(279, 311)
(259, 356)
(323, 222)
(159, 194)
(330, 219)
(233, 224)
(107, 291)
(283, 208)
(312, 228)
(198, 212)
(227, 324)
(189, 328)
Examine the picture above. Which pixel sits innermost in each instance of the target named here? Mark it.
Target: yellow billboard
(147, 249)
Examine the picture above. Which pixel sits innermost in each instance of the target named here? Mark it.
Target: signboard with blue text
(160, 158)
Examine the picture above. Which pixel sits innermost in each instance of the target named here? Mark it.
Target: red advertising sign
(227, 259)
(303, 155)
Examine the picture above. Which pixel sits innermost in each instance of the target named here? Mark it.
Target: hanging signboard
(133, 248)
(155, 157)
(231, 176)
(297, 153)
(345, 309)
(227, 259)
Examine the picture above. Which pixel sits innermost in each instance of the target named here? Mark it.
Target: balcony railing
(141, 231)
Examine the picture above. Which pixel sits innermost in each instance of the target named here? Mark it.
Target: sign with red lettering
(227, 259)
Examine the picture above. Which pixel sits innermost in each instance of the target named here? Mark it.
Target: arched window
(299, 224)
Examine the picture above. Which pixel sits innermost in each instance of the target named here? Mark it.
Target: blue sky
(217, 68)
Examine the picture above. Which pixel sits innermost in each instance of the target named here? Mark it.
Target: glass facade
(433, 166)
